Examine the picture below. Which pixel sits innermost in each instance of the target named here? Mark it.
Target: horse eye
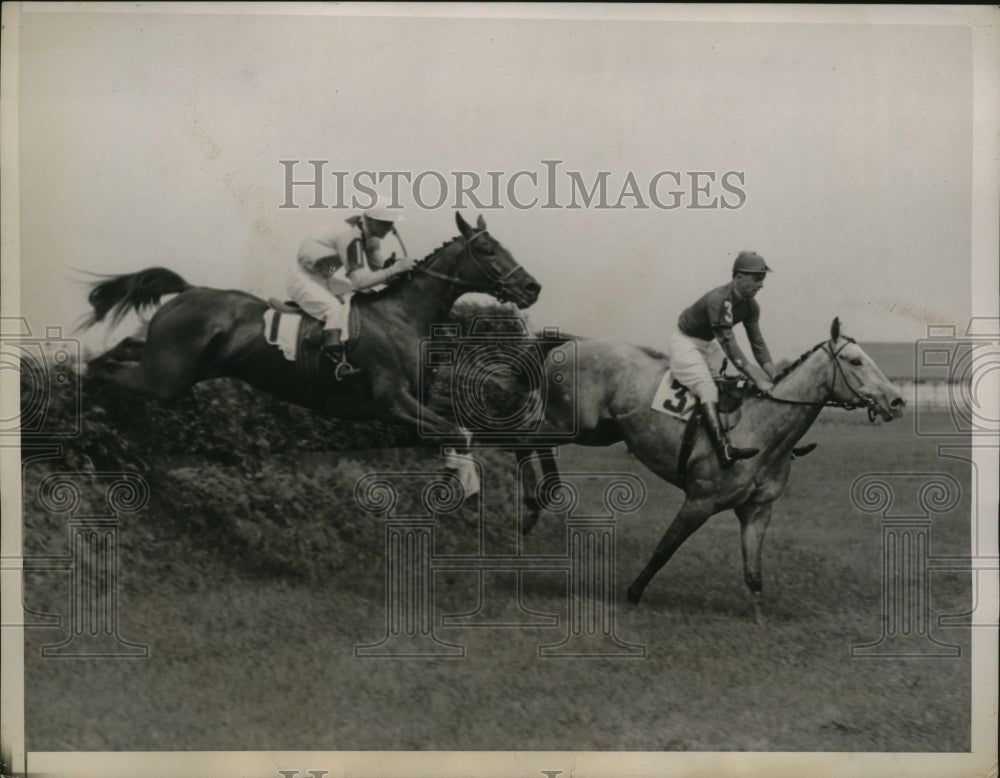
(856, 362)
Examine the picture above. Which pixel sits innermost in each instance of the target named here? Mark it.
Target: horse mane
(654, 353)
(798, 362)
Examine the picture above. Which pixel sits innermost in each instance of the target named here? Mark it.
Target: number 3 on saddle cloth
(299, 336)
(678, 401)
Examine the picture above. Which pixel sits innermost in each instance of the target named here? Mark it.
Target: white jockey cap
(381, 212)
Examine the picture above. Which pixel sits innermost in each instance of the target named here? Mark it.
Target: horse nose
(533, 288)
(899, 403)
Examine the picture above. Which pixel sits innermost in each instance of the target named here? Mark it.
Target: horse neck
(428, 299)
(805, 389)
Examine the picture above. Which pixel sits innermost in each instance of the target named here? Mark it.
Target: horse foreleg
(408, 409)
(754, 518)
(689, 518)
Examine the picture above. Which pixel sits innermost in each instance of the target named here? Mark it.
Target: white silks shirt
(331, 264)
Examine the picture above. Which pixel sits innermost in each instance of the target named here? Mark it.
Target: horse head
(857, 380)
(483, 265)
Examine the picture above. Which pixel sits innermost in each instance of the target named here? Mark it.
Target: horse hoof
(801, 451)
(633, 596)
(530, 519)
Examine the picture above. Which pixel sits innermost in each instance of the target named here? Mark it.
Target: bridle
(498, 283)
(865, 402)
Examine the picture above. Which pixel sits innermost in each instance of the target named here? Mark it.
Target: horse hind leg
(137, 379)
(160, 375)
(692, 515)
(126, 350)
(132, 349)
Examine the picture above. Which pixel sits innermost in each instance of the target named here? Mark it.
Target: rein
(866, 402)
(496, 283)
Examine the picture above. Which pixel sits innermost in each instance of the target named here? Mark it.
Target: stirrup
(741, 453)
(724, 451)
(801, 451)
(338, 356)
(729, 455)
(344, 370)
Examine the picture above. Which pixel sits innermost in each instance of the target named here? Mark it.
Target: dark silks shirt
(714, 315)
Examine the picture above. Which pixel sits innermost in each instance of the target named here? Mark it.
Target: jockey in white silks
(336, 261)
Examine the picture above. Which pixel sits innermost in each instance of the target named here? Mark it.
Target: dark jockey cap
(750, 262)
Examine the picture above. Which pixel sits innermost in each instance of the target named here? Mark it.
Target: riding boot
(334, 349)
(726, 453)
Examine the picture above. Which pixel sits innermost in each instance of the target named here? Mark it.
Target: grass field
(251, 598)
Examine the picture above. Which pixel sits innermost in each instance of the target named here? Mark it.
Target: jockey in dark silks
(704, 335)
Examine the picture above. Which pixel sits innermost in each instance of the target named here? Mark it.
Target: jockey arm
(365, 268)
(759, 347)
(373, 251)
(759, 375)
(316, 266)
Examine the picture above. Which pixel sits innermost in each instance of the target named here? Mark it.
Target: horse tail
(120, 294)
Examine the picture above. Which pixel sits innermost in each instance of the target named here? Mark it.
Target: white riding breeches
(316, 300)
(694, 362)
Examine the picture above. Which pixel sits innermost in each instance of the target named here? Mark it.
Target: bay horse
(204, 333)
(614, 388)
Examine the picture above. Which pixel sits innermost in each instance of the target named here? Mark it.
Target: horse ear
(463, 225)
(481, 223)
(835, 329)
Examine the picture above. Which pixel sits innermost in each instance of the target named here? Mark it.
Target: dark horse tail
(121, 294)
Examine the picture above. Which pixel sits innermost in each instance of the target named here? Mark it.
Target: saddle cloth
(288, 327)
(676, 400)
(282, 330)
(673, 399)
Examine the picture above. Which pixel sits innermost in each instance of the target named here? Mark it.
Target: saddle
(677, 400)
(288, 306)
(300, 336)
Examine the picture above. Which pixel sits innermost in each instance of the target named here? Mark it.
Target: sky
(150, 138)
